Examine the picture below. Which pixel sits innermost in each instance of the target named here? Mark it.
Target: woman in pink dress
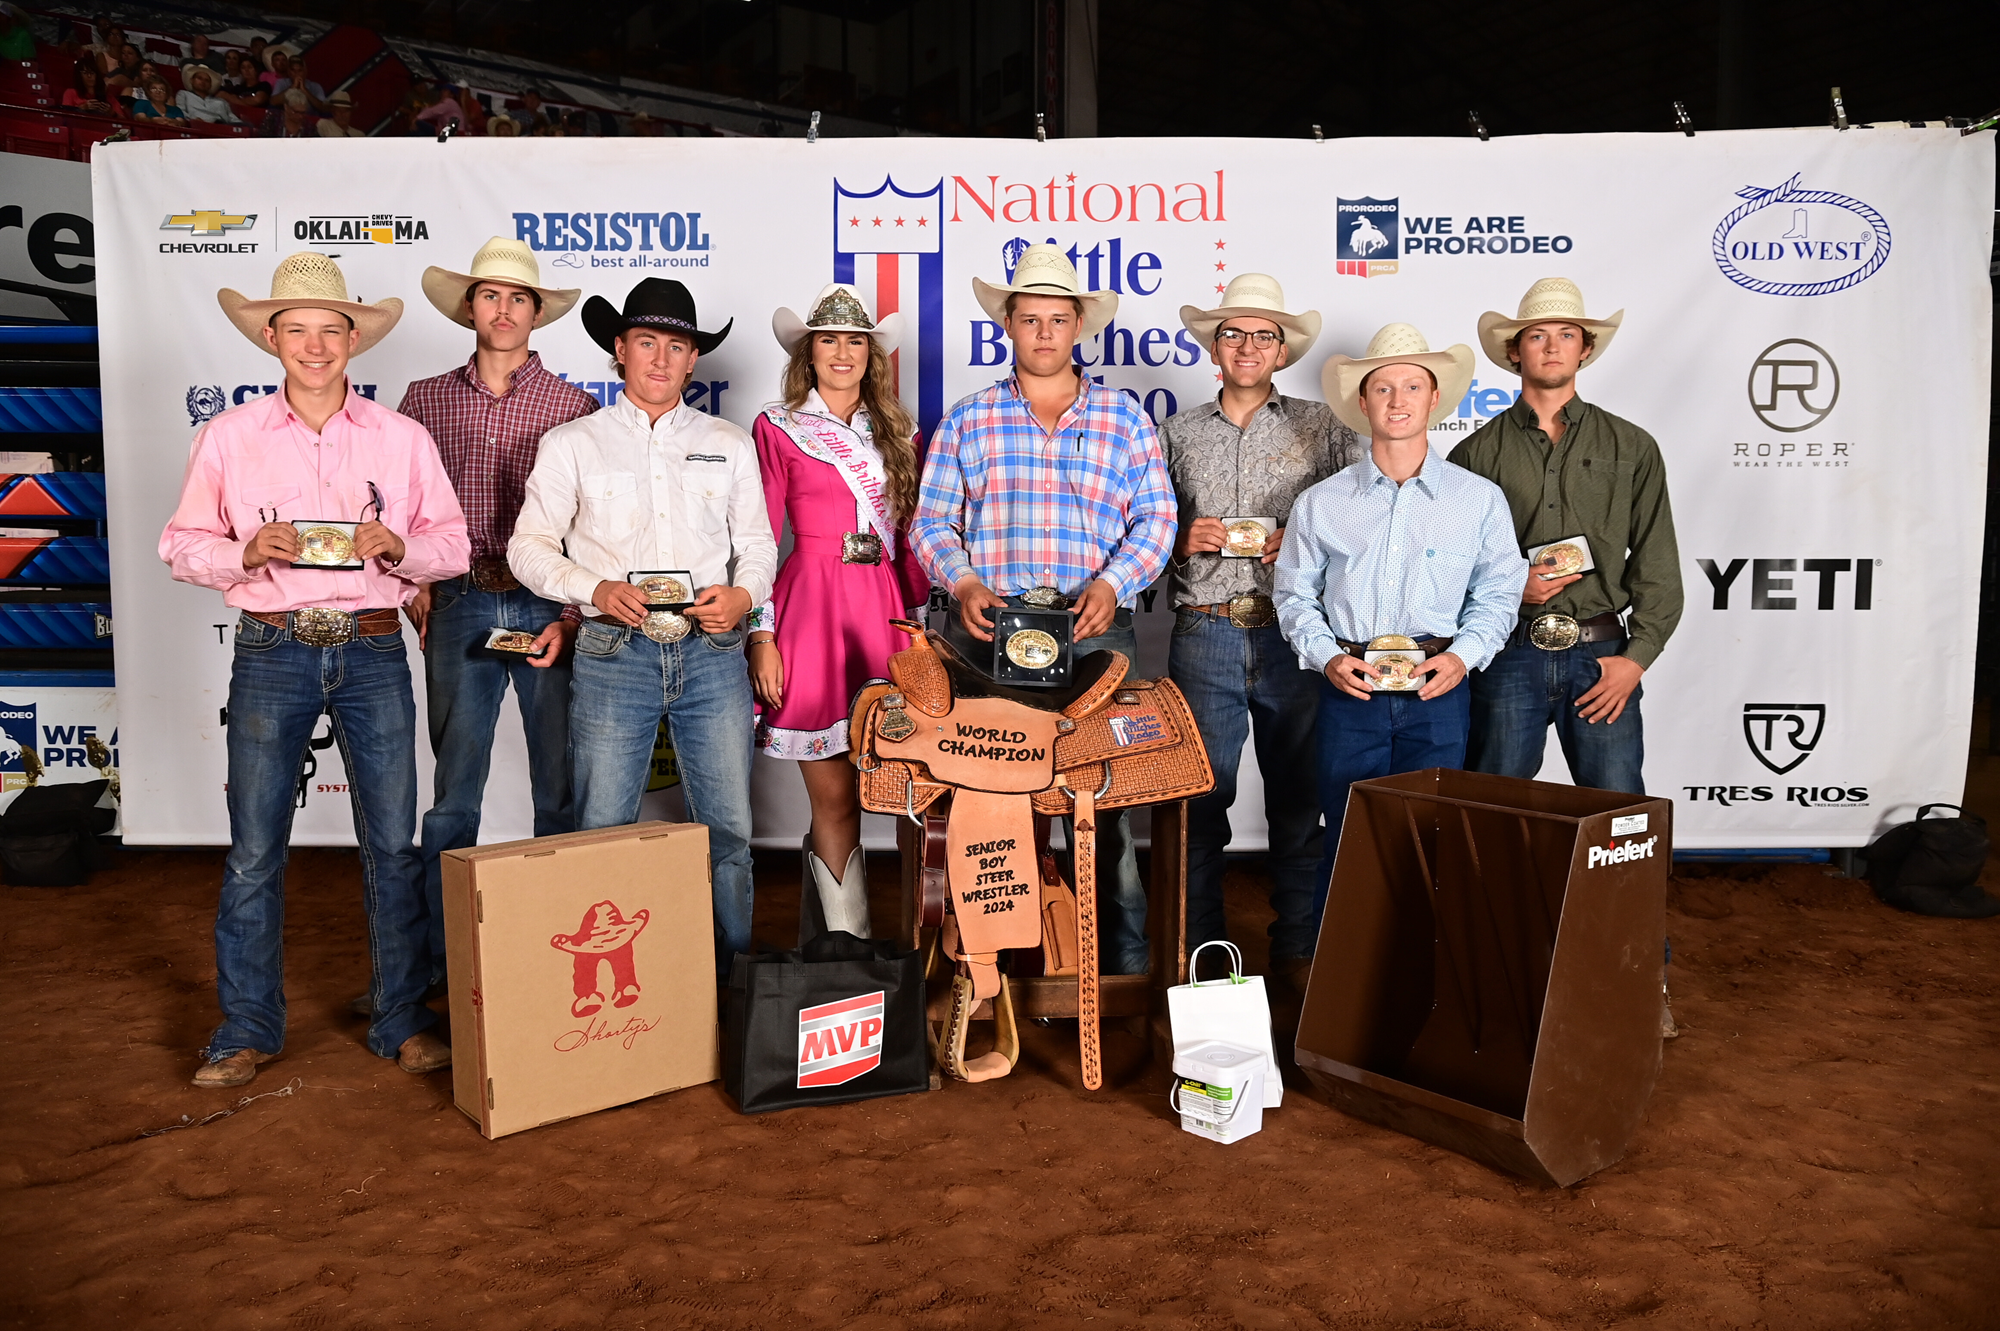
(839, 457)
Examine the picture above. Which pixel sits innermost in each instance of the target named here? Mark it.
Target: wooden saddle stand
(982, 767)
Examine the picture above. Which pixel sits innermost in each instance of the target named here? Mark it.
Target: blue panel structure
(74, 624)
(51, 411)
(42, 560)
(53, 494)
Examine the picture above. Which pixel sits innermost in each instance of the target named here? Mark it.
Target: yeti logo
(205, 403)
(604, 935)
(1760, 730)
(1367, 236)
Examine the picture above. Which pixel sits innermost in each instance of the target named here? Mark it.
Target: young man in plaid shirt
(1050, 490)
(488, 417)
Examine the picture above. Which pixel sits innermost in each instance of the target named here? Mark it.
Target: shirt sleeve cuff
(1642, 652)
(953, 567)
(762, 619)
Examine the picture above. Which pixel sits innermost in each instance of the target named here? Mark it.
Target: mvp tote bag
(840, 1019)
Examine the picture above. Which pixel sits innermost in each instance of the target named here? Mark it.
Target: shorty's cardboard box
(582, 972)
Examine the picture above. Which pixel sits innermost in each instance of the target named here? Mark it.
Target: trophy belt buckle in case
(1045, 598)
(666, 626)
(323, 544)
(860, 547)
(1253, 610)
(1555, 633)
(321, 626)
(1032, 649)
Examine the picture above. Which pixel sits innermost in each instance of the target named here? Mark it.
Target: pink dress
(833, 625)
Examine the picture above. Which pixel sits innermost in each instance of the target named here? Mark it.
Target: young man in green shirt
(1592, 621)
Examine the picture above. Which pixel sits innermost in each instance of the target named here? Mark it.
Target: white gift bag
(1233, 1010)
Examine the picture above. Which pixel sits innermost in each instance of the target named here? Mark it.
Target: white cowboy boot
(842, 902)
(812, 920)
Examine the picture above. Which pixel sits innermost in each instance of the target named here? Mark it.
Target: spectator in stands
(199, 99)
(443, 109)
(125, 78)
(86, 92)
(110, 41)
(277, 70)
(340, 125)
(17, 34)
(290, 120)
(503, 126)
(642, 126)
(198, 53)
(259, 64)
(531, 115)
(475, 111)
(239, 82)
(576, 125)
(297, 77)
(158, 104)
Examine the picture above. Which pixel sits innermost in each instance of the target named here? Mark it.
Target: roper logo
(1366, 232)
(840, 1041)
(1761, 721)
(1622, 854)
(1794, 385)
(1789, 241)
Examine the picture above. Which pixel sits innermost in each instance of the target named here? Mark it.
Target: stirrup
(949, 1050)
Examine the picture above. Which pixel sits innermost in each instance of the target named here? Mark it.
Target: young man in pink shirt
(319, 632)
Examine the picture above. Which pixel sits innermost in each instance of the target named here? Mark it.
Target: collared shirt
(260, 459)
(488, 443)
(1605, 481)
(1257, 470)
(211, 109)
(683, 492)
(1026, 507)
(1434, 556)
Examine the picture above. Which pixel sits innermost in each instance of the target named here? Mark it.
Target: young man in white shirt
(651, 485)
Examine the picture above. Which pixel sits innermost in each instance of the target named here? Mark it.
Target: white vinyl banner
(1807, 334)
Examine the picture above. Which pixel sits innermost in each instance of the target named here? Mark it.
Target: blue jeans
(1525, 689)
(1122, 927)
(278, 688)
(624, 683)
(1232, 676)
(464, 687)
(1386, 734)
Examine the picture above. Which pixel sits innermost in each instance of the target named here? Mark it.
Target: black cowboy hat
(658, 303)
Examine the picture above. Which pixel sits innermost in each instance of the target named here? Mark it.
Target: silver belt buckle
(322, 626)
(666, 626)
(1044, 598)
(1555, 633)
(862, 547)
(1254, 610)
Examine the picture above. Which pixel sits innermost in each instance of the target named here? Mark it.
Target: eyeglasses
(1264, 338)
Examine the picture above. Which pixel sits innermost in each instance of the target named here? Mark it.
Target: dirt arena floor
(1821, 1153)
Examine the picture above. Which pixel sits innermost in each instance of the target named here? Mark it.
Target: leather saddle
(981, 767)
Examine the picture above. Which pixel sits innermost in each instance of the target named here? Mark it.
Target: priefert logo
(1631, 850)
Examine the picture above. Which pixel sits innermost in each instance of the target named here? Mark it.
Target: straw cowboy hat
(307, 280)
(498, 260)
(1395, 344)
(657, 303)
(1045, 270)
(1258, 296)
(838, 308)
(1551, 300)
(604, 929)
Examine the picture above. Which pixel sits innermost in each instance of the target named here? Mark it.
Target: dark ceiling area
(1273, 67)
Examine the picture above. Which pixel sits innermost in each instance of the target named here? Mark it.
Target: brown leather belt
(323, 626)
(1555, 633)
(1428, 646)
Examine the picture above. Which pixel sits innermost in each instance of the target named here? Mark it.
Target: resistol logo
(1622, 853)
(361, 229)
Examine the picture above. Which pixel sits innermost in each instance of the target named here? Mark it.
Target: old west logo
(361, 228)
(1777, 732)
(840, 1041)
(1790, 241)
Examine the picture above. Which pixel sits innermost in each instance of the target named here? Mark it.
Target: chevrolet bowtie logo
(208, 222)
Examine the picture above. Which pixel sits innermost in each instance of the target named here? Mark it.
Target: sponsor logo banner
(840, 1041)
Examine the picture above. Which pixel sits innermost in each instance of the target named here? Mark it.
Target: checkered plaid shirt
(1025, 507)
(489, 443)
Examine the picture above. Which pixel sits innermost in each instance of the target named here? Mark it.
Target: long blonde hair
(895, 429)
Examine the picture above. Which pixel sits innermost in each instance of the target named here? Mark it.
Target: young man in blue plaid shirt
(1050, 490)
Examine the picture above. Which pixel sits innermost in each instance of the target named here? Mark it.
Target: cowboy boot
(812, 919)
(845, 903)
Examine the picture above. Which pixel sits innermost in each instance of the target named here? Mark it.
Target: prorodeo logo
(840, 1041)
(1790, 241)
(1622, 854)
(17, 740)
(1781, 752)
(1794, 385)
(208, 222)
(361, 228)
(1366, 233)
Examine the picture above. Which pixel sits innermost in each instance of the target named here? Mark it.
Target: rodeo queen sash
(848, 451)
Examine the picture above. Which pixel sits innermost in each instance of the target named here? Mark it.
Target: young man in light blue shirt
(1400, 552)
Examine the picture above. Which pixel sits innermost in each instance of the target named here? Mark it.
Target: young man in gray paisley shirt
(1238, 463)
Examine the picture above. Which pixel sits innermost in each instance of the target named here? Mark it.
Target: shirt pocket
(705, 497)
(1447, 575)
(256, 505)
(609, 502)
(1600, 494)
